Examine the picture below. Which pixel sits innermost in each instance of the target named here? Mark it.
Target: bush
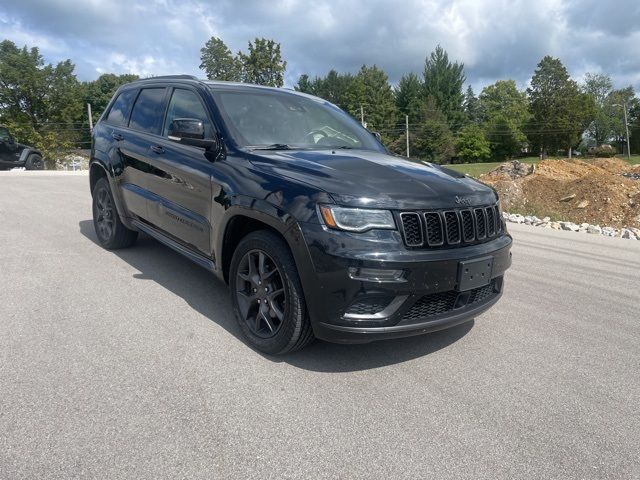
(603, 151)
(472, 145)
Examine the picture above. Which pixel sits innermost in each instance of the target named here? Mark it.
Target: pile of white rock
(630, 233)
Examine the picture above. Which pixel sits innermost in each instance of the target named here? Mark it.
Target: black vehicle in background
(316, 228)
(14, 154)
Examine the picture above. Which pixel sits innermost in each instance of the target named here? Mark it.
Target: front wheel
(111, 232)
(267, 296)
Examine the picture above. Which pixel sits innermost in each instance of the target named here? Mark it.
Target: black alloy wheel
(267, 296)
(112, 233)
(260, 294)
(105, 214)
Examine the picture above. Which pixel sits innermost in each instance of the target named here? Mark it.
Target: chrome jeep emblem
(463, 201)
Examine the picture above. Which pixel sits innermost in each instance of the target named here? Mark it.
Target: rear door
(179, 177)
(144, 126)
(114, 141)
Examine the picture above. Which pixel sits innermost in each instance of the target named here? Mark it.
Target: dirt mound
(612, 165)
(511, 171)
(594, 192)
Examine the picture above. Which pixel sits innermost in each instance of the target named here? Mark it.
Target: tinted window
(187, 104)
(120, 109)
(148, 110)
(4, 134)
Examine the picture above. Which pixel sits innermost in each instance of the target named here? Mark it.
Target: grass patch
(477, 169)
(635, 159)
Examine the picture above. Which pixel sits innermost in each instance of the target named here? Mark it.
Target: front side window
(187, 104)
(120, 109)
(148, 110)
(271, 118)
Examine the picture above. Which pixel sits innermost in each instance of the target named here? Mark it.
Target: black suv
(317, 229)
(14, 154)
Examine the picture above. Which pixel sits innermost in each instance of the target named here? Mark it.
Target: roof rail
(168, 77)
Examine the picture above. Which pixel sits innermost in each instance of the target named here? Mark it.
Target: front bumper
(427, 300)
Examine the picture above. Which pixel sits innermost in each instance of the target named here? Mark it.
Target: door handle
(116, 136)
(157, 148)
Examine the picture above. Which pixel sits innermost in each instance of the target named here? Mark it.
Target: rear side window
(187, 104)
(4, 135)
(148, 110)
(120, 109)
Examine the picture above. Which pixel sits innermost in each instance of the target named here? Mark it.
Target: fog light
(379, 275)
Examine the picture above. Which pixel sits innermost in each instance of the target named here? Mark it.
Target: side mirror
(377, 135)
(190, 131)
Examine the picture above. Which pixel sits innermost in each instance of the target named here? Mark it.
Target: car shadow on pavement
(210, 297)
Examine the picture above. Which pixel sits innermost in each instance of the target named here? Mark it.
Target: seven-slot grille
(450, 227)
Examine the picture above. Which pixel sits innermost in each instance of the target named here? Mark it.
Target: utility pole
(626, 126)
(406, 130)
(362, 116)
(90, 118)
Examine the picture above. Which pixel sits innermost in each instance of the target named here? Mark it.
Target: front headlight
(356, 219)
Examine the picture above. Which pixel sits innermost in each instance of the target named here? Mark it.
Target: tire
(34, 162)
(111, 232)
(286, 312)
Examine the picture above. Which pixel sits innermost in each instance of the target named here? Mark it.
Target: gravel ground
(129, 364)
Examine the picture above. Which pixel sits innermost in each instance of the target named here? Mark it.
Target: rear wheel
(266, 294)
(111, 232)
(34, 162)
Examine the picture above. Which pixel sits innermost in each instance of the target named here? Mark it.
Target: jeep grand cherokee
(318, 230)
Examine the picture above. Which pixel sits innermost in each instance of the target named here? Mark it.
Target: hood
(364, 178)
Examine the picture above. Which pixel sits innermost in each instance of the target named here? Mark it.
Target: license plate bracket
(474, 273)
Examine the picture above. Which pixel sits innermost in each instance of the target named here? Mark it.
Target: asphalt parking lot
(129, 364)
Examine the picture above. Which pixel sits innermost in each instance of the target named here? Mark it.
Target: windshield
(269, 119)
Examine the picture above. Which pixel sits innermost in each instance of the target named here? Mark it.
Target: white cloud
(494, 38)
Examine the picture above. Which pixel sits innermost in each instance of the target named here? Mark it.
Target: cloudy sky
(494, 38)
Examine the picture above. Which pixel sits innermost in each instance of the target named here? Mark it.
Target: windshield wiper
(273, 146)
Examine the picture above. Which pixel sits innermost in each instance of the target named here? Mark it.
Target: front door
(179, 177)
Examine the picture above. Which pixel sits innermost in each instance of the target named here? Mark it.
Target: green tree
(305, 84)
(218, 62)
(39, 102)
(434, 140)
(370, 89)
(561, 112)
(332, 87)
(617, 100)
(505, 138)
(263, 64)
(408, 97)
(472, 144)
(443, 82)
(599, 87)
(99, 91)
(634, 127)
(504, 110)
(471, 106)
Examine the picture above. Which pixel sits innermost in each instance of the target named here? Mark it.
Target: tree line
(45, 104)
(447, 122)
